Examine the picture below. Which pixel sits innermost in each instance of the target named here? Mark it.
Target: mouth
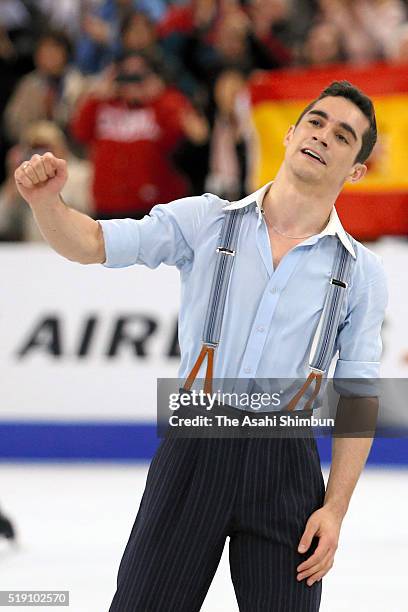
(313, 155)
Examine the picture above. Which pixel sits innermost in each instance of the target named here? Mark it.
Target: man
(133, 124)
(267, 495)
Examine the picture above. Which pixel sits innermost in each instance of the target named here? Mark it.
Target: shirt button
(260, 328)
(247, 370)
(274, 289)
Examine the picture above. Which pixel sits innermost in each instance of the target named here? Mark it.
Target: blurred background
(148, 101)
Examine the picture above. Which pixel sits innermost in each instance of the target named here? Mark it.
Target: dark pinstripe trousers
(259, 492)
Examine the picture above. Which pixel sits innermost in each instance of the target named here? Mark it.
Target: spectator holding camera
(133, 123)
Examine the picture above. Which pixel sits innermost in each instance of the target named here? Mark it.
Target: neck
(297, 208)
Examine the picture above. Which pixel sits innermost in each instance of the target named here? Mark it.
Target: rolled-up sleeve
(121, 237)
(166, 235)
(359, 339)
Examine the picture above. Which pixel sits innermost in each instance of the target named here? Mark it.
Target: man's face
(332, 130)
(134, 75)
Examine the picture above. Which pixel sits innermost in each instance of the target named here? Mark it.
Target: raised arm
(69, 232)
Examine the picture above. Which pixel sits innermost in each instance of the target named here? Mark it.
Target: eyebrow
(342, 124)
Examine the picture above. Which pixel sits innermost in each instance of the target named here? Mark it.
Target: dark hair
(124, 54)
(363, 102)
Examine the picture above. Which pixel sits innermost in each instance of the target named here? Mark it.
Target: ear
(288, 136)
(357, 173)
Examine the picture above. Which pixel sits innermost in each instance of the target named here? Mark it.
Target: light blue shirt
(270, 314)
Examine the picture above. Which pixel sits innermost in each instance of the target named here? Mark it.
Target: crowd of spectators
(146, 98)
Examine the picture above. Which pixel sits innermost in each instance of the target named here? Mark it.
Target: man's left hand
(325, 525)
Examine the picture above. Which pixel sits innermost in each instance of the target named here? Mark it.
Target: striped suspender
(216, 304)
(326, 332)
(325, 336)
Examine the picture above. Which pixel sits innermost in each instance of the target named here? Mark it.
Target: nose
(322, 139)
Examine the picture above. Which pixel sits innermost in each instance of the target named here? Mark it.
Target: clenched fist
(40, 179)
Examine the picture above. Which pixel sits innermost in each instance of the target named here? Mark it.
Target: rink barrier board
(128, 441)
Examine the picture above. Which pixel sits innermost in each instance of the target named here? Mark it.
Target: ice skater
(288, 257)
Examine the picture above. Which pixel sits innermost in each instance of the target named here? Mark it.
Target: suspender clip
(225, 251)
(316, 370)
(339, 283)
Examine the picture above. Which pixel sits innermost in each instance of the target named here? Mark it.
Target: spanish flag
(378, 204)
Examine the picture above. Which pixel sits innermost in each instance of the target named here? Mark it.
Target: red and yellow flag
(379, 203)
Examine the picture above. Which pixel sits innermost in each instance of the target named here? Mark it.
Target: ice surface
(73, 521)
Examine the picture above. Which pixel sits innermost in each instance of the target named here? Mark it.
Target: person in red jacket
(133, 123)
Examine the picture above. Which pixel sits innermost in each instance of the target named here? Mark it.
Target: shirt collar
(333, 227)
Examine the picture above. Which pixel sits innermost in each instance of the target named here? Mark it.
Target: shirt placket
(263, 320)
